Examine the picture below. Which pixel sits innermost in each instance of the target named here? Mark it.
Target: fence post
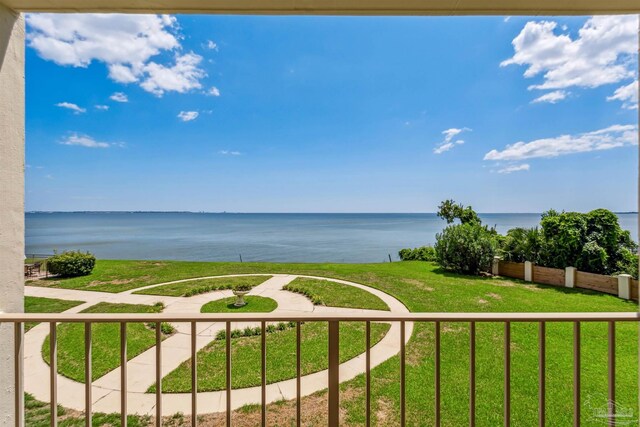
(528, 271)
(495, 266)
(570, 277)
(624, 286)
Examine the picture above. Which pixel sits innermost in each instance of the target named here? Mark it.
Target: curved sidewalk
(177, 349)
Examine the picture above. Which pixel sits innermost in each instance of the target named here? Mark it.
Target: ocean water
(348, 238)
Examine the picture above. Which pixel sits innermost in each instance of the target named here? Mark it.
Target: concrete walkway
(177, 349)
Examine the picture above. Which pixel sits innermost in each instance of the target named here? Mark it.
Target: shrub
(424, 253)
(592, 242)
(291, 287)
(71, 264)
(165, 328)
(466, 248)
(522, 244)
(628, 263)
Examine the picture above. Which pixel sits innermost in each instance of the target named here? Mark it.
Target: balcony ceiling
(336, 7)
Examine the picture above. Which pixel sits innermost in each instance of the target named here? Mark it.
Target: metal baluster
(472, 375)
(576, 374)
(507, 374)
(263, 359)
(437, 374)
(403, 400)
(298, 375)
(228, 379)
(87, 375)
(194, 376)
(158, 374)
(53, 373)
(542, 369)
(123, 373)
(368, 372)
(18, 353)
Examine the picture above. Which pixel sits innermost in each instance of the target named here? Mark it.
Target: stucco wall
(11, 195)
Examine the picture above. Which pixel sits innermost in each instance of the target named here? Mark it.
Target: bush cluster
(424, 253)
(466, 248)
(165, 328)
(257, 331)
(71, 264)
(593, 242)
(315, 299)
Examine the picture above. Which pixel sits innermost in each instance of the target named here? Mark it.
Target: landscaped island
(421, 287)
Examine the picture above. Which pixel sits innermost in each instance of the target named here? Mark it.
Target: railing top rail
(378, 317)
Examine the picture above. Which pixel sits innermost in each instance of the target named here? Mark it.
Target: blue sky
(330, 114)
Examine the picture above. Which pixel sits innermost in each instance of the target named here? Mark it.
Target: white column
(570, 277)
(624, 286)
(528, 271)
(11, 197)
(495, 266)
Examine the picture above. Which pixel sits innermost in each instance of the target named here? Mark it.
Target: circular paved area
(177, 349)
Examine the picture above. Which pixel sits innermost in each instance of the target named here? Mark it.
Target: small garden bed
(333, 294)
(201, 286)
(255, 304)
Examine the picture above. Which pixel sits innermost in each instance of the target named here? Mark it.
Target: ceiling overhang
(335, 7)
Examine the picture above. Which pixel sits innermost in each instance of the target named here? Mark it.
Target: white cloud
(125, 43)
(214, 91)
(85, 141)
(187, 116)
(119, 97)
(448, 143)
(599, 55)
(122, 73)
(604, 139)
(102, 107)
(182, 77)
(628, 95)
(229, 153)
(551, 97)
(211, 45)
(73, 107)
(514, 168)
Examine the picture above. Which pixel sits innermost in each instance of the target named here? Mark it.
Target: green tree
(449, 210)
(592, 242)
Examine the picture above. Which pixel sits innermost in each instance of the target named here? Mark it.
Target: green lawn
(195, 287)
(281, 357)
(37, 414)
(332, 294)
(255, 304)
(423, 287)
(46, 305)
(105, 341)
